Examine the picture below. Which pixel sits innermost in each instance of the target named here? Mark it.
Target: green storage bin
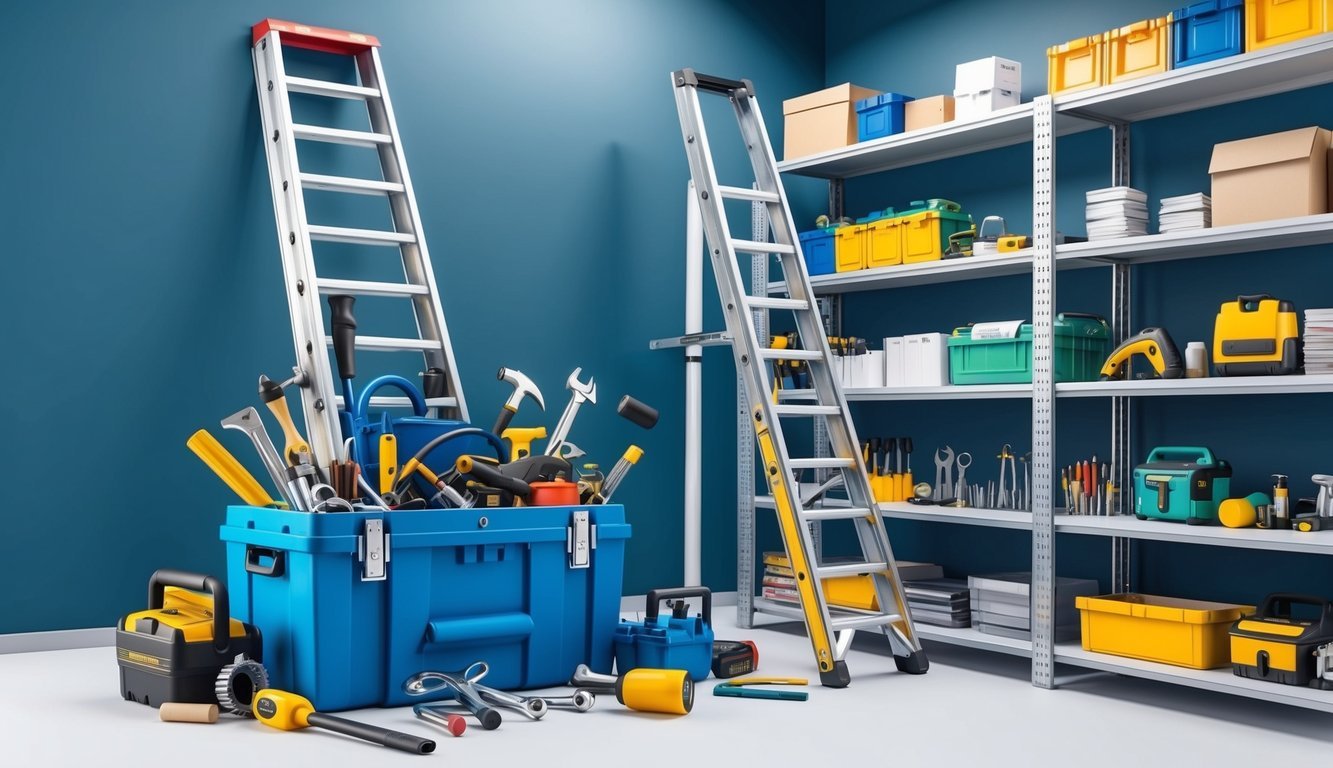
(1082, 343)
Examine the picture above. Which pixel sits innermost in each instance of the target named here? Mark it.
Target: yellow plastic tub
(851, 592)
(883, 243)
(1274, 22)
(1077, 64)
(1170, 630)
(849, 252)
(1142, 48)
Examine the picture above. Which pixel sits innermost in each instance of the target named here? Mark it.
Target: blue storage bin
(1207, 31)
(880, 116)
(459, 585)
(817, 245)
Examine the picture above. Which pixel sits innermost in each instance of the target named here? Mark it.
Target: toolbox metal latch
(580, 539)
(372, 549)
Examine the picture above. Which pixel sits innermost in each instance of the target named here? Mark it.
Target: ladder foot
(838, 677)
(914, 663)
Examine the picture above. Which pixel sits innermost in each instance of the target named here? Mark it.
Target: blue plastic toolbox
(817, 245)
(352, 604)
(674, 641)
(1206, 31)
(880, 116)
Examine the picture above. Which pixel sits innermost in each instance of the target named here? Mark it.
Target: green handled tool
(737, 688)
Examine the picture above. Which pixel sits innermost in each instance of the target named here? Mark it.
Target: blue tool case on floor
(351, 604)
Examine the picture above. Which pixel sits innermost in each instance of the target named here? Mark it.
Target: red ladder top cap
(314, 38)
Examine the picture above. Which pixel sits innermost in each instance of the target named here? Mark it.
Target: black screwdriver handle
(344, 334)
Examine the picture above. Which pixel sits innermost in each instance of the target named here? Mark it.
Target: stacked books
(1318, 341)
(856, 592)
(1116, 212)
(1185, 212)
(779, 581)
(941, 602)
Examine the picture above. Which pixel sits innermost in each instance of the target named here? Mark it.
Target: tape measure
(732, 658)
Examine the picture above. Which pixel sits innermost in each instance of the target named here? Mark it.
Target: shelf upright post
(1120, 406)
(745, 483)
(694, 359)
(1043, 392)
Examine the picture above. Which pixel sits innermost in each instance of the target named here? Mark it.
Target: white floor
(974, 708)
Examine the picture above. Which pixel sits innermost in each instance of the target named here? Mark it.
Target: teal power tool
(678, 641)
(1181, 483)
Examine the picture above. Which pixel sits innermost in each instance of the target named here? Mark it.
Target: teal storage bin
(1081, 346)
(880, 116)
(458, 585)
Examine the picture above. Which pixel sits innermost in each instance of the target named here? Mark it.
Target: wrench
(248, 421)
(943, 474)
(465, 691)
(581, 700)
(581, 393)
(961, 489)
(568, 451)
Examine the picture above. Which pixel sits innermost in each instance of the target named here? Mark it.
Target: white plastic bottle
(1196, 360)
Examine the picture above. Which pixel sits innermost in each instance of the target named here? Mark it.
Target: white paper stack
(1116, 212)
(1185, 212)
(1319, 341)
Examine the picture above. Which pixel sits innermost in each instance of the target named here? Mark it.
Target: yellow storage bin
(851, 592)
(884, 246)
(1274, 22)
(1142, 48)
(849, 252)
(1170, 630)
(925, 235)
(1076, 64)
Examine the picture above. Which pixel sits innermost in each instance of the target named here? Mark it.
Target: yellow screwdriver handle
(295, 443)
(220, 460)
(388, 462)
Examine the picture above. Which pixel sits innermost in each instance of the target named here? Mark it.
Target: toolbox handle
(1252, 298)
(1162, 452)
(255, 555)
(399, 383)
(656, 596)
(197, 582)
(1278, 605)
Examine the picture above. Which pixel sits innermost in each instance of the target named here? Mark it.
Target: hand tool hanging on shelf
(580, 393)
(290, 712)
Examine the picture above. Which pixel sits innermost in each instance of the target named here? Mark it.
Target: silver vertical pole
(694, 321)
(1043, 393)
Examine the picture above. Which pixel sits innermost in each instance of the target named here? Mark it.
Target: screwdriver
(272, 395)
(289, 712)
(906, 490)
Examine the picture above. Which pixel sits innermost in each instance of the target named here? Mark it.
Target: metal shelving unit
(1274, 70)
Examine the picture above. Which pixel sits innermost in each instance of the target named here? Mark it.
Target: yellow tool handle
(220, 460)
(633, 454)
(768, 681)
(388, 462)
(295, 443)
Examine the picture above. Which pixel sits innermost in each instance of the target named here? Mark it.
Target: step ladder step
(389, 401)
(359, 236)
(340, 136)
(349, 184)
(743, 193)
(835, 513)
(390, 344)
(773, 302)
(331, 89)
(806, 410)
(751, 246)
(768, 353)
(849, 569)
(842, 622)
(832, 462)
(369, 288)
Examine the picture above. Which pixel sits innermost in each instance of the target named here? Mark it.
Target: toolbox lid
(1159, 608)
(881, 100)
(817, 234)
(838, 94)
(1298, 144)
(1205, 8)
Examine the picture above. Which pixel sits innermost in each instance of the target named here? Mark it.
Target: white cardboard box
(927, 360)
(989, 73)
(868, 369)
(971, 105)
(895, 362)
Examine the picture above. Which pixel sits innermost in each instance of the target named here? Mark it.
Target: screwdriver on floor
(289, 712)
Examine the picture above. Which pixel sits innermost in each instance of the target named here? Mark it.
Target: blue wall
(143, 283)
(916, 54)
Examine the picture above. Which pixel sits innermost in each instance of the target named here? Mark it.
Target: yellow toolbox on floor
(1274, 22)
(1077, 64)
(849, 250)
(1170, 630)
(884, 247)
(1142, 48)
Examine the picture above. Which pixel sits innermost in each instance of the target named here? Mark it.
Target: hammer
(523, 386)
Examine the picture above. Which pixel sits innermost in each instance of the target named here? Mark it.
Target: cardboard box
(924, 113)
(1271, 177)
(987, 74)
(820, 121)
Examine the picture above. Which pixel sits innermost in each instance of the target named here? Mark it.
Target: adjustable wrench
(248, 421)
(943, 474)
(581, 393)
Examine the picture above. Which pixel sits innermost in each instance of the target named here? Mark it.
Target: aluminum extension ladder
(296, 233)
(830, 630)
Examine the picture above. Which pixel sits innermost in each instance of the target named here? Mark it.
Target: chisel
(220, 460)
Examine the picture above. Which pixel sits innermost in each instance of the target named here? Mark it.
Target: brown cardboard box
(924, 113)
(1271, 177)
(820, 121)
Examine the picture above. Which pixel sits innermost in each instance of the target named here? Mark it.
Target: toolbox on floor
(1139, 49)
(880, 116)
(817, 245)
(352, 604)
(926, 227)
(1256, 336)
(1077, 64)
(1170, 630)
(676, 640)
(1207, 31)
(1281, 647)
(1001, 353)
(1274, 22)
(1181, 483)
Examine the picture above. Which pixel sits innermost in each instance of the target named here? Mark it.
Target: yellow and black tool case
(175, 650)
(1256, 336)
(1278, 646)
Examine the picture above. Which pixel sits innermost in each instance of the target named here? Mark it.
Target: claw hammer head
(523, 387)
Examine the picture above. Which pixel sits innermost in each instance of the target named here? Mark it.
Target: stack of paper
(1319, 341)
(1185, 212)
(1116, 212)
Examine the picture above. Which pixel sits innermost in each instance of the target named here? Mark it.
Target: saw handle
(656, 596)
(197, 582)
(344, 334)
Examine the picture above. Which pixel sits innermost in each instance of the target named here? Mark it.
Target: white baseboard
(59, 640)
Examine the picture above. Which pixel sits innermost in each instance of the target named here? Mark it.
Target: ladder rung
(741, 193)
(389, 401)
(340, 136)
(838, 623)
(360, 236)
(368, 288)
(751, 246)
(806, 410)
(331, 89)
(768, 353)
(834, 513)
(772, 302)
(832, 462)
(849, 569)
(349, 184)
(390, 344)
